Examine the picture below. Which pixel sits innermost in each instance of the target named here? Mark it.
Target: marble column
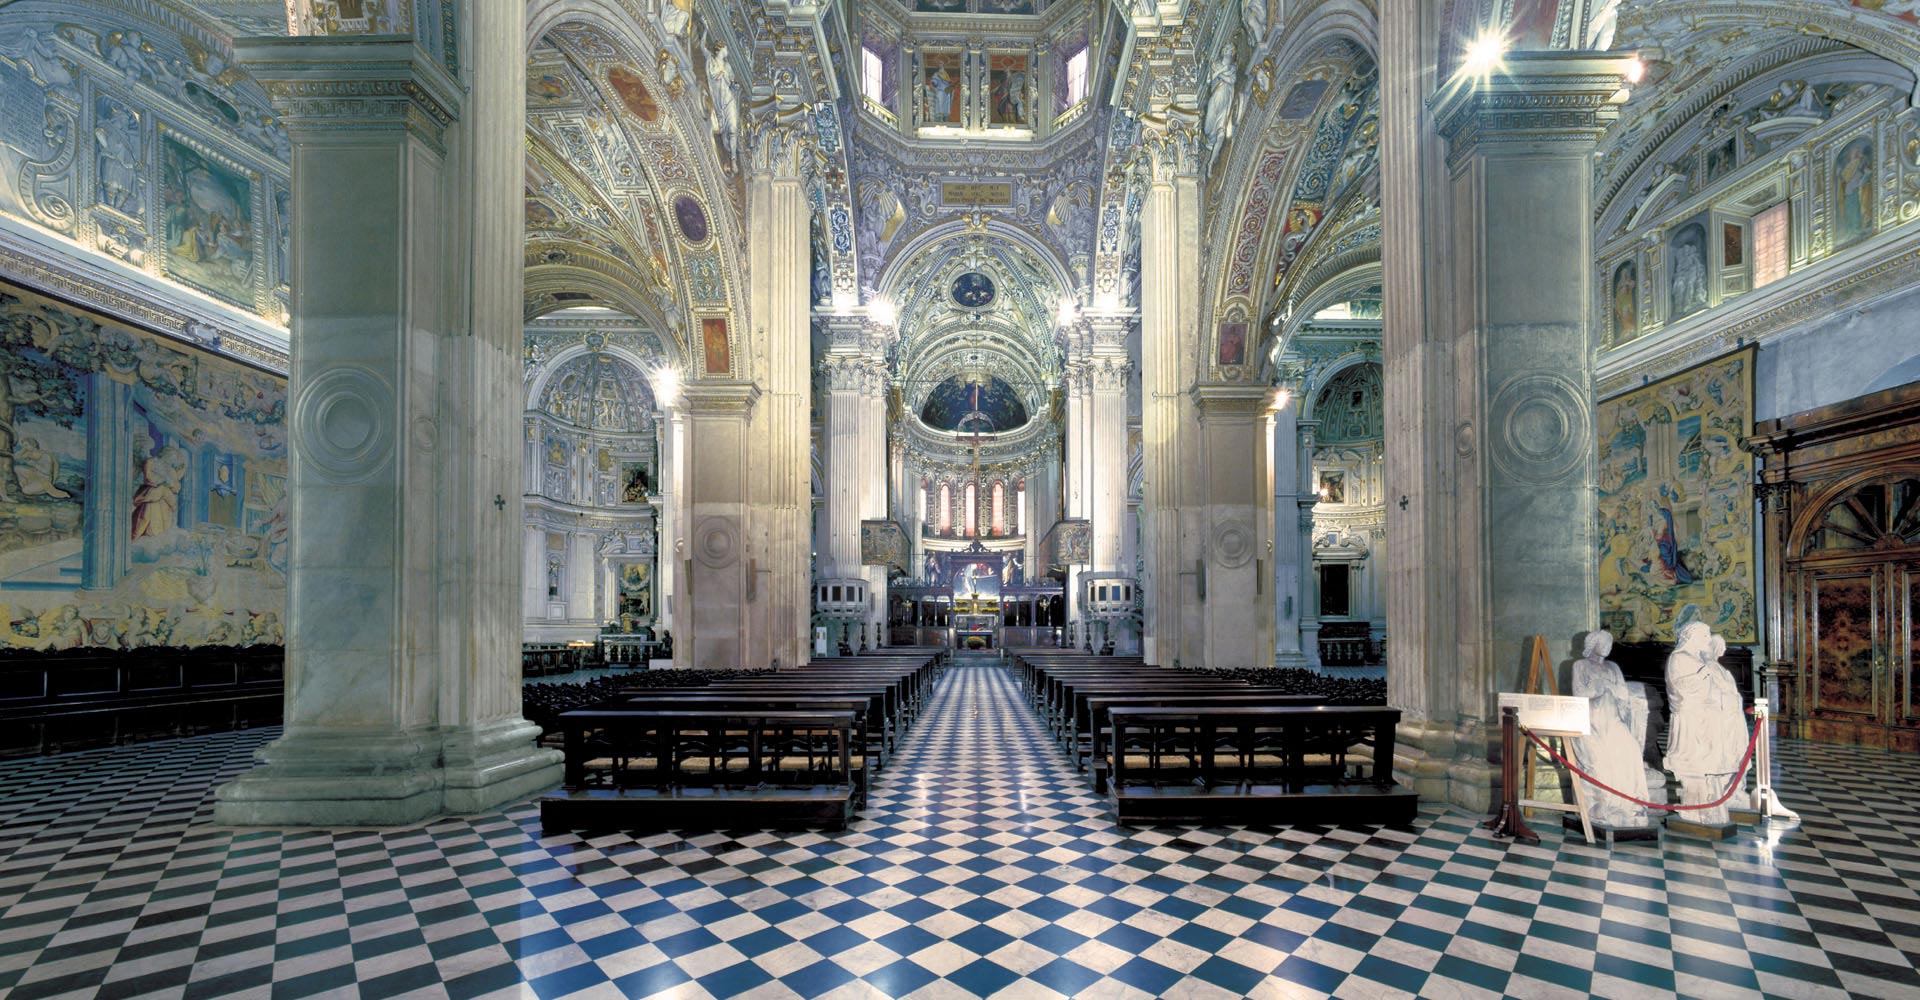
(1105, 465)
(1515, 499)
(856, 386)
(533, 576)
(670, 427)
(717, 573)
(1170, 221)
(1230, 485)
(1289, 597)
(780, 264)
(580, 580)
(1306, 494)
(404, 600)
(873, 476)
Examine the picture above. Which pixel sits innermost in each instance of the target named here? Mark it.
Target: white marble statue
(1708, 734)
(1218, 123)
(1612, 751)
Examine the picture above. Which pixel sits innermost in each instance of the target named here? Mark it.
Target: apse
(988, 406)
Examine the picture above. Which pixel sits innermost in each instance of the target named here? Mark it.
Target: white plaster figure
(1708, 733)
(1611, 752)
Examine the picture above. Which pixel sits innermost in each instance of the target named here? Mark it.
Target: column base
(1290, 659)
(338, 778)
(496, 763)
(345, 778)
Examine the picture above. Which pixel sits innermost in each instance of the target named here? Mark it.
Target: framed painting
(1233, 344)
(940, 98)
(207, 218)
(713, 336)
(1853, 192)
(1623, 301)
(1009, 91)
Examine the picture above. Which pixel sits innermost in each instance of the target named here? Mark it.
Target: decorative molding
(322, 84)
(1538, 97)
(30, 263)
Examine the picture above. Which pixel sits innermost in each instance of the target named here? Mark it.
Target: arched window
(946, 509)
(970, 515)
(999, 507)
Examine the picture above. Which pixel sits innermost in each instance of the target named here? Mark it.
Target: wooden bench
(666, 793)
(1289, 765)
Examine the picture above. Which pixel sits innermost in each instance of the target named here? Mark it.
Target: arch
(1310, 392)
(901, 260)
(537, 383)
(620, 27)
(1249, 249)
(1683, 117)
(1813, 512)
(606, 289)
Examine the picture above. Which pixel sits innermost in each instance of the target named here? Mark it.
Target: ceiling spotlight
(666, 385)
(881, 311)
(1635, 70)
(1485, 55)
(1069, 311)
(1281, 397)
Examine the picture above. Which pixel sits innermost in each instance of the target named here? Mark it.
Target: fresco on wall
(208, 223)
(1676, 503)
(142, 488)
(1853, 192)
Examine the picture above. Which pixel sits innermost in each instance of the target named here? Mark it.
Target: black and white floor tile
(982, 867)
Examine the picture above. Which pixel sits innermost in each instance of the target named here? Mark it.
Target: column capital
(1108, 374)
(321, 84)
(1537, 97)
(1108, 328)
(1173, 143)
(780, 139)
(1236, 401)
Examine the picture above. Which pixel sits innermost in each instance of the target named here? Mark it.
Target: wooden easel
(1540, 680)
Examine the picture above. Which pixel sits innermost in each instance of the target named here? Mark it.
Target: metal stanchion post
(1766, 801)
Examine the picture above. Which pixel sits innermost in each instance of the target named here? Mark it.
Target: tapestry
(142, 487)
(1676, 504)
(883, 543)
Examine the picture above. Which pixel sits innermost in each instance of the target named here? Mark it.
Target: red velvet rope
(1732, 786)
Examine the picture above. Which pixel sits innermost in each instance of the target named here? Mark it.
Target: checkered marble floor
(981, 868)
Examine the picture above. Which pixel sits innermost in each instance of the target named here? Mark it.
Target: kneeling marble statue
(1708, 735)
(1612, 751)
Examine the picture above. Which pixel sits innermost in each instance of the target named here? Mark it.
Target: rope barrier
(1733, 786)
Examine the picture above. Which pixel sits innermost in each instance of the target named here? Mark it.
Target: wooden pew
(1098, 722)
(671, 795)
(1306, 782)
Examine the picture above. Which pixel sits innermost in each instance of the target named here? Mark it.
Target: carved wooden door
(1859, 591)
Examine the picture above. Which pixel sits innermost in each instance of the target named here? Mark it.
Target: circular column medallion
(1542, 428)
(716, 543)
(1233, 544)
(343, 424)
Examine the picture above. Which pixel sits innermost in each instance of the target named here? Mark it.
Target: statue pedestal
(1700, 831)
(1611, 835)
